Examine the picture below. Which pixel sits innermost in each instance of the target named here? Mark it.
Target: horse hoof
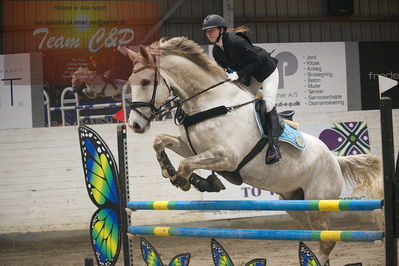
(180, 182)
(200, 184)
(215, 185)
(169, 173)
(185, 187)
(211, 184)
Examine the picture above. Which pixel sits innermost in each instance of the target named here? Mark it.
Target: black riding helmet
(212, 21)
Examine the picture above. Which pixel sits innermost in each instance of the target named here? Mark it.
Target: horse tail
(364, 173)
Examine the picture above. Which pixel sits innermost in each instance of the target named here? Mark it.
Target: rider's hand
(232, 76)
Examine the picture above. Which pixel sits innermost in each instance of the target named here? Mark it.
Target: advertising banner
(80, 42)
(378, 58)
(312, 76)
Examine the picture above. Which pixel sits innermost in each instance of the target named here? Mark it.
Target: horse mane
(182, 46)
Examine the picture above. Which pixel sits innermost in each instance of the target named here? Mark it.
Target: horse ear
(132, 55)
(144, 53)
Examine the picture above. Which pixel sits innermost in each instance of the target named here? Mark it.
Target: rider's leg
(270, 86)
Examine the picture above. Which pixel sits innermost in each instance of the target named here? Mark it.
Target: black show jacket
(241, 55)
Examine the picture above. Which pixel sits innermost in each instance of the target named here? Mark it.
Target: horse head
(149, 91)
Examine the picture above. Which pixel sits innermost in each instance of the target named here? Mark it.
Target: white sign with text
(312, 76)
(15, 91)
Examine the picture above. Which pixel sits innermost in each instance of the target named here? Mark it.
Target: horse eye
(145, 82)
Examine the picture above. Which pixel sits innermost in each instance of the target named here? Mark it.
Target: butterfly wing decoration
(101, 176)
(151, 257)
(256, 262)
(307, 257)
(180, 260)
(220, 256)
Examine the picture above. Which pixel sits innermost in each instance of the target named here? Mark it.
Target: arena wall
(42, 186)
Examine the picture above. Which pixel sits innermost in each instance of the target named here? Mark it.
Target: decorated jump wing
(151, 257)
(101, 176)
(222, 258)
(307, 257)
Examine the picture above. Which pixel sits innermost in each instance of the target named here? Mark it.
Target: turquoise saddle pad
(290, 135)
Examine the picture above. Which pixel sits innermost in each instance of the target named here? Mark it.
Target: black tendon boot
(273, 154)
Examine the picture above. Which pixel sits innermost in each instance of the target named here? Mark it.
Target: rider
(104, 66)
(255, 67)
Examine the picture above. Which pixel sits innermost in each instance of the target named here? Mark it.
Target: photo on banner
(80, 46)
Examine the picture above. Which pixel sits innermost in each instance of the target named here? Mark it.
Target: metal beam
(228, 12)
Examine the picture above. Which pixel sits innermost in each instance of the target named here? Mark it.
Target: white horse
(220, 143)
(97, 85)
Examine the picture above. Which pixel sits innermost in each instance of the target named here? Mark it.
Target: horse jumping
(220, 143)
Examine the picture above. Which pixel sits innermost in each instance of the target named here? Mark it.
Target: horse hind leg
(321, 221)
(311, 221)
(299, 217)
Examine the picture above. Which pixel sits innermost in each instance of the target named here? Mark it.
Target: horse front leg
(175, 144)
(215, 159)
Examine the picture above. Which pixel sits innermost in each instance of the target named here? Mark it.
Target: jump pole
(295, 235)
(260, 205)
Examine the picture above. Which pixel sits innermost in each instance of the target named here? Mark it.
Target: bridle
(151, 104)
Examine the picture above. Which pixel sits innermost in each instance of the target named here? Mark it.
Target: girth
(234, 177)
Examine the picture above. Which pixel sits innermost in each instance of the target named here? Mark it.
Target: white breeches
(270, 87)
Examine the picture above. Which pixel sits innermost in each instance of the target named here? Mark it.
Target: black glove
(244, 77)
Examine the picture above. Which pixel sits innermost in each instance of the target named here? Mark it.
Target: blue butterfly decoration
(222, 258)
(308, 258)
(151, 257)
(101, 176)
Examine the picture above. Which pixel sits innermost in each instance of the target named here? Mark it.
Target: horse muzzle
(138, 123)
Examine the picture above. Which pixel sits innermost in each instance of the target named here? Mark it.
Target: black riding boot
(273, 154)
